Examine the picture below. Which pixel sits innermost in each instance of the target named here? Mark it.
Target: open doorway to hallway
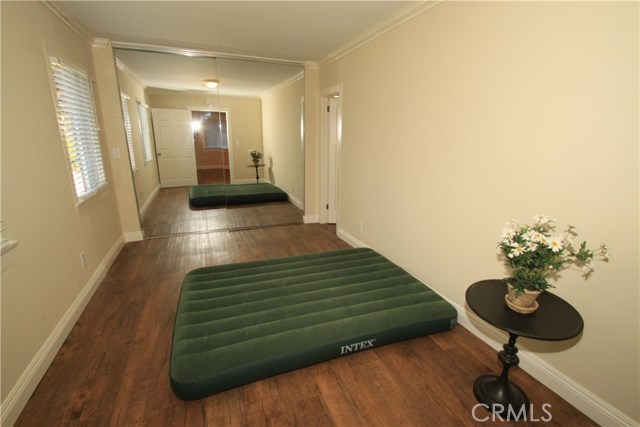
(331, 146)
(211, 144)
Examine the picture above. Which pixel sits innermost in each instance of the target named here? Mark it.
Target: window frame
(145, 130)
(78, 127)
(124, 101)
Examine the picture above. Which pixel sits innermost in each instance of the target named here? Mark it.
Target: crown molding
(405, 14)
(311, 64)
(200, 52)
(122, 67)
(100, 42)
(69, 20)
(283, 84)
(61, 13)
(412, 10)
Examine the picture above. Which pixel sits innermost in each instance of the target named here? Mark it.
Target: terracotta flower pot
(525, 303)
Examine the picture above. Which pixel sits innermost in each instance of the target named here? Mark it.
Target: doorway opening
(211, 144)
(331, 139)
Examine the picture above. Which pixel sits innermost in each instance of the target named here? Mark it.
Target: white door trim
(325, 95)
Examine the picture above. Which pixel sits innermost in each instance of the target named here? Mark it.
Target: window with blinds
(145, 130)
(124, 99)
(78, 128)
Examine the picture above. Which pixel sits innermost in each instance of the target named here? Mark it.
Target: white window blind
(124, 98)
(145, 130)
(78, 128)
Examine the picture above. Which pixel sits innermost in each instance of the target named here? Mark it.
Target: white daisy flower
(534, 236)
(508, 234)
(517, 250)
(555, 244)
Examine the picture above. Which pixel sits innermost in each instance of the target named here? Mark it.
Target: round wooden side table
(554, 320)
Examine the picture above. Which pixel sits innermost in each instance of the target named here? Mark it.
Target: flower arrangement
(255, 154)
(535, 252)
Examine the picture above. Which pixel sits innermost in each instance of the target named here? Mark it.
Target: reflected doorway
(211, 144)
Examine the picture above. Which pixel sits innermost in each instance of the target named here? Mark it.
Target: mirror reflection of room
(200, 136)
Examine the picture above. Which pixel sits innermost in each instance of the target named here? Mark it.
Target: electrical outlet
(360, 227)
(83, 263)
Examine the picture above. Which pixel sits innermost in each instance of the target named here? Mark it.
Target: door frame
(325, 141)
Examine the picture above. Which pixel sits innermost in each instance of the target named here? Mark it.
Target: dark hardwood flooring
(213, 175)
(113, 370)
(171, 214)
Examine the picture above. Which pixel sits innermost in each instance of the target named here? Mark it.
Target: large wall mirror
(192, 122)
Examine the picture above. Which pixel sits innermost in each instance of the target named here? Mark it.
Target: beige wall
(245, 115)
(115, 140)
(146, 177)
(44, 287)
(476, 113)
(283, 145)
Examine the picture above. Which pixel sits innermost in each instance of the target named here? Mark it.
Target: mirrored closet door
(192, 123)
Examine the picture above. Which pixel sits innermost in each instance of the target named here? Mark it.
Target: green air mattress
(240, 323)
(233, 194)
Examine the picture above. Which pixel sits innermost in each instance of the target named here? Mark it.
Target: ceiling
(279, 37)
(237, 77)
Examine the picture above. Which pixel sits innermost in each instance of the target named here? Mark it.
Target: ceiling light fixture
(211, 83)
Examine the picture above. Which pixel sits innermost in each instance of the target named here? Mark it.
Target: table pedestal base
(502, 397)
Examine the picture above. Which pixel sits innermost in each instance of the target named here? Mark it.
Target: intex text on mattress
(240, 323)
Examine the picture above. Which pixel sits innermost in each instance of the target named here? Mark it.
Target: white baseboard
(310, 219)
(28, 381)
(150, 199)
(297, 203)
(585, 401)
(350, 239)
(133, 236)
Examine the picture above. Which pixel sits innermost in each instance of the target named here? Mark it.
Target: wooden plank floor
(170, 214)
(113, 369)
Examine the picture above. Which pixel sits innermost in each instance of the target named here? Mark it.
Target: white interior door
(335, 139)
(174, 147)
